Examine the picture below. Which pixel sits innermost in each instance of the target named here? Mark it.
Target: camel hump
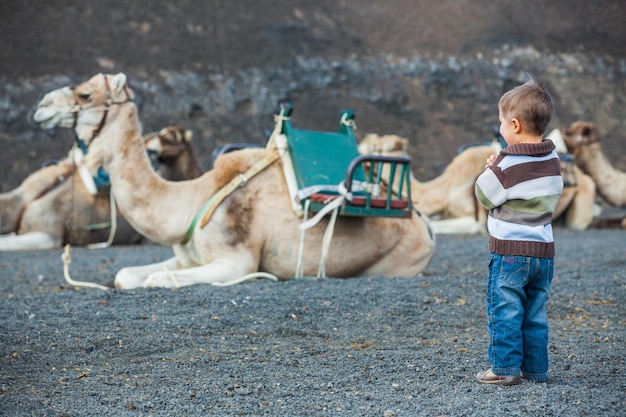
(231, 147)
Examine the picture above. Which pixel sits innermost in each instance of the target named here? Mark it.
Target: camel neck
(145, 199)
(183, 166)
(596, 164)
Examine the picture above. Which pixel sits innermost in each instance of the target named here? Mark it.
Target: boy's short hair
(531, 103)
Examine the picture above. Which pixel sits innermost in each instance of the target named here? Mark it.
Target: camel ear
(118, 81)
(556, 138)
(405, 144)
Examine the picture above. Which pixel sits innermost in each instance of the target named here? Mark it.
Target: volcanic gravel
(310, 347)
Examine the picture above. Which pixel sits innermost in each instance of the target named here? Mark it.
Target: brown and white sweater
(521, 190)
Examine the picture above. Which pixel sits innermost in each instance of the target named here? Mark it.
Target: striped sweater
(521, 190)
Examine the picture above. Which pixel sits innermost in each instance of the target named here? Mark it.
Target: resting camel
(451, 195)
(52, 206)
(174, 153)
(253, 230)
(583, 142)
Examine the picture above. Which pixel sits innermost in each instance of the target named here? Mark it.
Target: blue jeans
(517, 319)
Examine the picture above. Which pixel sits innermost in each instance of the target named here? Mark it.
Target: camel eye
(84, 96)
(586, 131)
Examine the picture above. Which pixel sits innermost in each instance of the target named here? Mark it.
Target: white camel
(253, 230)
(450, 197)
(53, 206)
(583, 142)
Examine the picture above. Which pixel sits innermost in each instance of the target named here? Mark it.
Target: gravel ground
(358, 347)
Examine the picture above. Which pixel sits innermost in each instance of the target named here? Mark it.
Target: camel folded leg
(219, 272)
(136, 276)
(28, 241)
(168, 274)
(583, 209)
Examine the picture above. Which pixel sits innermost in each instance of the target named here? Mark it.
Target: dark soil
(329, 347)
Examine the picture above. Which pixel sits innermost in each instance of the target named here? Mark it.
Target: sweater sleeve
(489, 190)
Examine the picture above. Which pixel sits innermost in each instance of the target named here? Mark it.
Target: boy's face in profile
(508, 128)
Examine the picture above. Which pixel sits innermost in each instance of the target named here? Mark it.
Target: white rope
(348, 122)
(300, 265)
(278, 127)
(83, 171)
(172, 277)
(109, 241)
(66, 272)
(333, 207)
(328, 235)
(246, 278)
(280, 141)
(336, 203)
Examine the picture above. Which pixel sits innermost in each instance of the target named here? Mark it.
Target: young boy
(521, 187)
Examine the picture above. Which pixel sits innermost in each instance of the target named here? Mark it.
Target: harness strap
(205, 213)
(112, 224)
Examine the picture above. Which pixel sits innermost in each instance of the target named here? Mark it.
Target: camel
(450, 196)
(53, 206)
(253, 230)
(583, 142)
(176, 160)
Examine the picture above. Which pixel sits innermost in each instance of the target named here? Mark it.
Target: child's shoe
(488, 377)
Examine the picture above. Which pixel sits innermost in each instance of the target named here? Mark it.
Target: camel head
(85, 106)
(169, 142)
(390, 145)
(578, 134)
(171, 152)
(385, 145)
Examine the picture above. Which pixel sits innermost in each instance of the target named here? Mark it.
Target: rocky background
(431, 71)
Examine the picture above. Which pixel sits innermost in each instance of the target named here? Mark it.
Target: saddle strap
(205, 213)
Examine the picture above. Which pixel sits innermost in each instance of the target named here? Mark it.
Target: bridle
(77, 108)
(102, 176)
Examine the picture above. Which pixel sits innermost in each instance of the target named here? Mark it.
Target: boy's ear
(516, 124)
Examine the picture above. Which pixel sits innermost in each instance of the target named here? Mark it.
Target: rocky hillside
(431, 71)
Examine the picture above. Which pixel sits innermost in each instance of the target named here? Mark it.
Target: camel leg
(29, 241)
(136, 276)
(220, 271)
(582, 209)
(169, 274)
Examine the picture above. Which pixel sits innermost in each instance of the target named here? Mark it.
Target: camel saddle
(323, 166)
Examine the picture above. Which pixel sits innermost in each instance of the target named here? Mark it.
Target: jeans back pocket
(514, 270)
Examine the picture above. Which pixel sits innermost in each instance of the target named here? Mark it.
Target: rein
(102, 178)
(92, 184)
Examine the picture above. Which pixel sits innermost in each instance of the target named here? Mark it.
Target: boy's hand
(490, 160)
